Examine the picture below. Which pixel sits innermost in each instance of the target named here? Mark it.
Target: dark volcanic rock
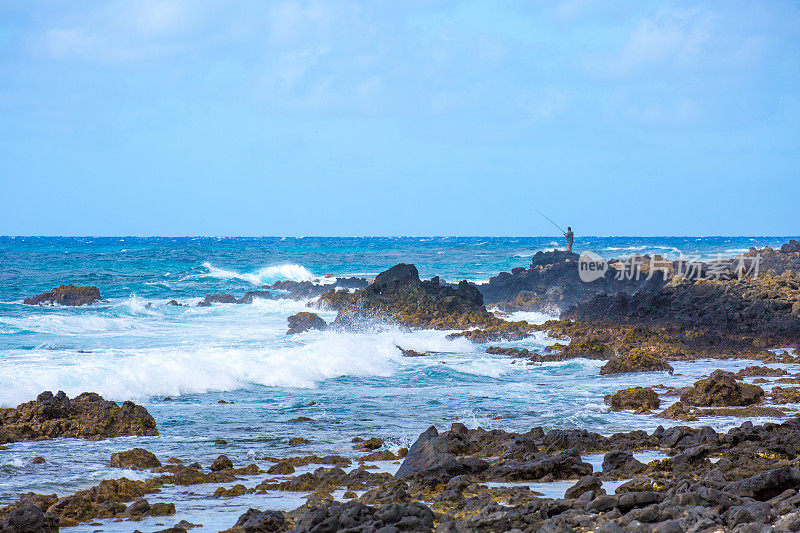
(304, 321)
(221, 463)
(585, 484)
(552, 283)
(67, 295)
(29, 519)
(721, 389)
(303, 290)
(217, 299)
(137, 459)
(255, 521)
(398, 295)
(622, 463)
(566, 465)
(640, 399)
(429, 457)
(355, 516)
(87, 416)
(763, 306)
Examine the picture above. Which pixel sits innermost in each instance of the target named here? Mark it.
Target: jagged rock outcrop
(722, 389)
(399, 296)
(767, 307)
(87, 416)
(552, 284)
(67, 295)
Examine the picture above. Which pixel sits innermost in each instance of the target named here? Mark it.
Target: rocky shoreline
(745, 479)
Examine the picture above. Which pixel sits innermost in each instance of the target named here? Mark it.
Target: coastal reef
(399, 296)
(87, 416)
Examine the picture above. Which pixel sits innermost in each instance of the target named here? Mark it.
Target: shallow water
(359, 383)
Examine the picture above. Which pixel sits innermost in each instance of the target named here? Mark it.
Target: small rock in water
(38, 460)
(221, 463)
(136, 459)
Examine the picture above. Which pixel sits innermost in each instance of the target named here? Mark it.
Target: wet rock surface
(636, 361)
(721, 389)
(304, 321)
(136, 459)
(640, 399)
(87, 416)
(440, 485)
(550, 284)
(399, 296)
(67, 295)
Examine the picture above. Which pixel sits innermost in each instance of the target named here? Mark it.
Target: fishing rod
(551, 220)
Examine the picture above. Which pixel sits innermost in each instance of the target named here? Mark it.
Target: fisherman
(569, 236)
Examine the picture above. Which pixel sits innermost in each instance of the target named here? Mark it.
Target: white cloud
(672, 38)
(125, 30)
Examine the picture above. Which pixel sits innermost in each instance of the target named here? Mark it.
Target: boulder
(640, 399)
(722, 389)
(636, 361)
(304, 321)
(429, 458)
(67, 295)
(356, 516)
(255, 521)
(766, 485)
(565, 465)
(622, 463)
(585, 484)
(87, 416)
(221, 463)
(30, 519)
(136, 459)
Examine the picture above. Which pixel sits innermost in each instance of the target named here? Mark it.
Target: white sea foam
(140, 373)
(270, 274)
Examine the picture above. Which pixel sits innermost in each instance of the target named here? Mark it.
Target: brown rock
(304, 321)
(721, 389)
(635, 361)
(640, 399)
(67, 295)
(87, 416)
(221, 463)
(136, 459)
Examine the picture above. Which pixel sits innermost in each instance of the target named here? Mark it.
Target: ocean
(134, 346)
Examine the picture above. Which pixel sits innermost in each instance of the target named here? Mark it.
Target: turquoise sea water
(359, 383)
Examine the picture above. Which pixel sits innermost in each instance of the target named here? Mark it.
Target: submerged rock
(67, 295)
(217, 299)
(87, 416)
(304, 321)
(640, 399)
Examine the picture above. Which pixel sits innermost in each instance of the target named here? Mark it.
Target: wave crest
(265, 275)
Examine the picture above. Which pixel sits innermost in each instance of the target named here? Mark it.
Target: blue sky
(195, 117)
